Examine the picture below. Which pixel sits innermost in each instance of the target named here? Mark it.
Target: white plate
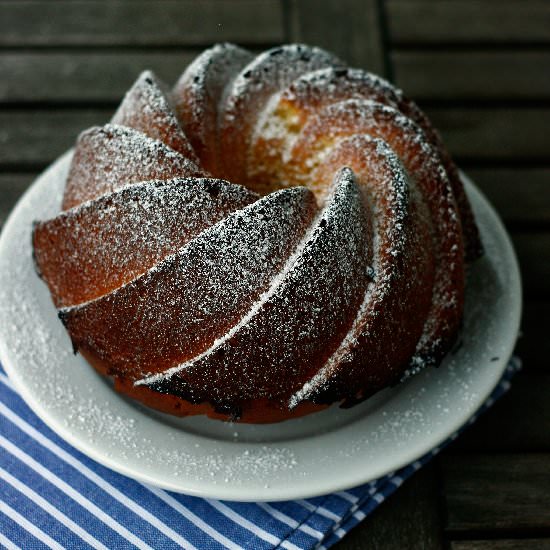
(314, 455)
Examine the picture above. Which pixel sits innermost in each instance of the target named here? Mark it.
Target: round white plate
(317, 454)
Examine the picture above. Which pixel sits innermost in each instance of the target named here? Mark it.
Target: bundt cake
(275, 234)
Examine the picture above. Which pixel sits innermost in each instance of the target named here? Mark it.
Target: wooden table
(481, 69)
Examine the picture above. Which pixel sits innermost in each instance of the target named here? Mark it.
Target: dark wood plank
(468, 21)
(36, 138)
(494, 133)
(139, 22)
(534, 345)
(79, 77)
(350, 28)
(520, 421)
(520, 194)
(473, 75)
(410, 518)
(493, 492)
(502, 544)
(533, 249)
(12, 187)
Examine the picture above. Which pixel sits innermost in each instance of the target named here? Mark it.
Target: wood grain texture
(139, 22)
(349, 28)
(494, 133)
(534, 345)
(519, 422)
(408, 519)
(497, 492)
(36, 138)
(504, 75)
(532, 249)
(468, 21)
(12, 186)
(502, 544)
(82, 77)
(66, 64)
(521, 194)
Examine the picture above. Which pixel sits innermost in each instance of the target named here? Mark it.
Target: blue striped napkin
(53, 496)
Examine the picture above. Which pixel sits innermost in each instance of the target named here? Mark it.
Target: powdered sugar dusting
(291, 323)
(111, 157)
(100, 245)
(202, 456)
(390, 201)
(273, 70)
(146, 108)
(176, 309)
(180, 290)
(199, 93)
(248, 93)
(352, 116)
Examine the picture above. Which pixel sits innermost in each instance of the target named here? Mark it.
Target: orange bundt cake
(275, 234)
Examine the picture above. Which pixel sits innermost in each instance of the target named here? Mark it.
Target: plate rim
(237, 493)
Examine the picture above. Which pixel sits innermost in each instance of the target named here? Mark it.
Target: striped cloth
(53, 496)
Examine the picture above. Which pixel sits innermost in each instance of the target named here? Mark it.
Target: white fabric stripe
(340, 533)
(248, 525)
(355, 512)
(347, 496)
(6, 380)
(310, 531)
(72, 493)
(397, 480)
(28, 526)
(278, 515)
(319, 510)
(327, 513)
(289, 546)
(50, 509)
(193, 518)
(92, 476)
(307, 505)
(111, 490)
(283, 518)
(8, 543)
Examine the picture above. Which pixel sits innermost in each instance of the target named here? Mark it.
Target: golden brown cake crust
(276, 234)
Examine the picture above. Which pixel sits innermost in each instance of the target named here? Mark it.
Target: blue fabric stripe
(238, 532)
(129, 487)
(125, 517)
(302, 534)
(17, 534)
(292, 509)
(60, 500)
(327, 514)
(261, 517)
(81, 484)
(205, 511)
(41, 519)
(300, 539)
(178, 522)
